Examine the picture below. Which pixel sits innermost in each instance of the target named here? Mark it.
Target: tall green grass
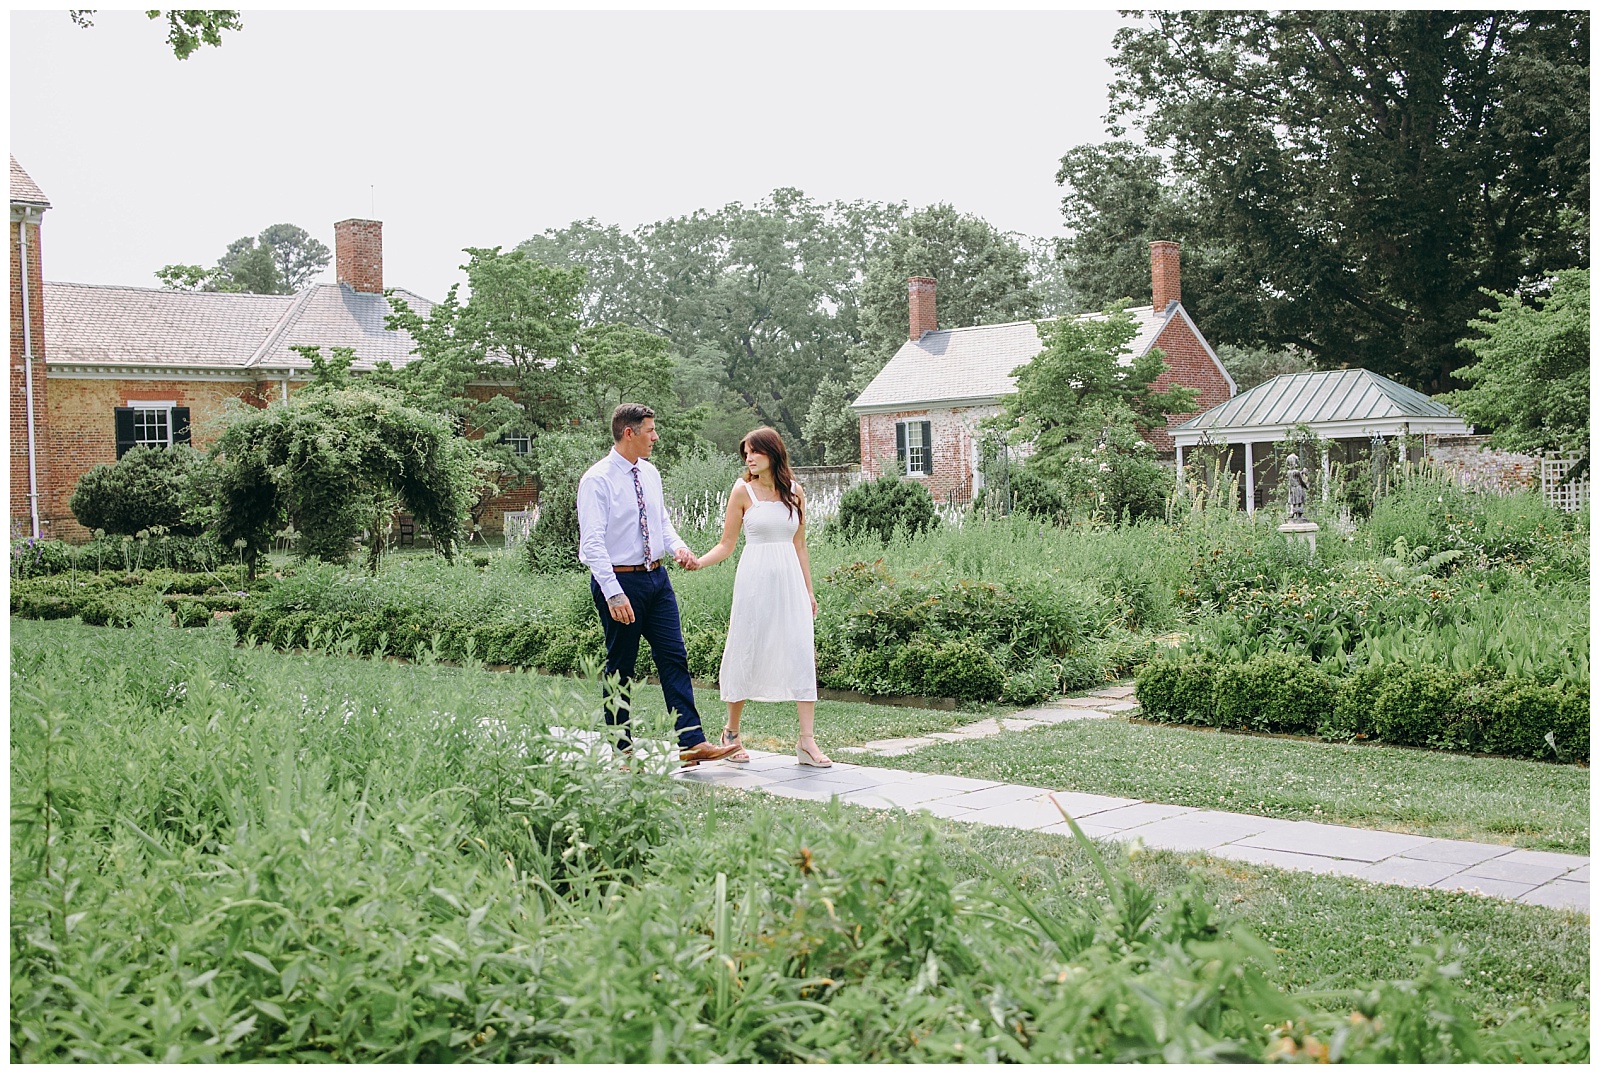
(225, 854)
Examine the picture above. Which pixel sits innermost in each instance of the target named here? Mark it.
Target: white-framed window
(914, 447)
(156, 423)
(519, 445)
(152, 426)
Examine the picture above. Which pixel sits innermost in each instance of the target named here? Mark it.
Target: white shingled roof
(973, 366)
(24, 191)
(89, 324)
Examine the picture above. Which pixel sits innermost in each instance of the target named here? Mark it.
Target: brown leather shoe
(705, 751)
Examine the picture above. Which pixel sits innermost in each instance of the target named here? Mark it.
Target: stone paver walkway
(1527, 876)
(1098, 705)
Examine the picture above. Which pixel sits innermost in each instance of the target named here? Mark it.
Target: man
(623, 532)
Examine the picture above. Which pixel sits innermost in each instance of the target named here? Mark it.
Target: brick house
(139, 365)
(921, 412)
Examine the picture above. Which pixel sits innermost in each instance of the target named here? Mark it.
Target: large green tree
(297, 255)
(1529, 387)
(1084, 367)
(1350, 179)
(766, 294)
(279, 261)
(339, 461)
(982, 273)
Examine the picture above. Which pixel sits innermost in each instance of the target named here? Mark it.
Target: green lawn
(1327, 932)
(1489, 799)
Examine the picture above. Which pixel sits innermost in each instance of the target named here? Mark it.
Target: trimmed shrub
(1037, 495)
(966, 671)
(1177, 689)
(176, 488)
(1033, 683)
(878, 508)
(188, 612)
(1282, 692)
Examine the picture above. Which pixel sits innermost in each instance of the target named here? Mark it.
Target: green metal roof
(1315, 398)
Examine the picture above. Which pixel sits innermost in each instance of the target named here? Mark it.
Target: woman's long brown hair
(767, 441)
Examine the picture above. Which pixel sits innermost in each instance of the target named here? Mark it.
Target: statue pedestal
(1301, 531)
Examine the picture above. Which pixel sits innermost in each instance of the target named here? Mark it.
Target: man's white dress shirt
(608, 519)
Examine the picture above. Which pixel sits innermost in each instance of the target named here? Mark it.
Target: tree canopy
(280, 261)
(982, 274)
(186, 30)
(769, 308)
(1079, 372)
(1343, 181)
(1529, 387)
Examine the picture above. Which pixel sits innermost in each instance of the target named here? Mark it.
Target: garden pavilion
(1354, 412)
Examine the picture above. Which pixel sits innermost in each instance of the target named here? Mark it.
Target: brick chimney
(923, 317)
(1163, 274)
(358, 254)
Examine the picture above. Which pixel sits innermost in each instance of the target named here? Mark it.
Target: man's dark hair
(628, 416)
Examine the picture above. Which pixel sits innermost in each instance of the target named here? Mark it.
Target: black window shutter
(125, 439)
(180, 425)
(927, 447)
(900, 444)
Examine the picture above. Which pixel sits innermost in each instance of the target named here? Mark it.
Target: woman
(771, 650)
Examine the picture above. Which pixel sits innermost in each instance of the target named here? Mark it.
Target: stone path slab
(1535, 877)
(1100, 704)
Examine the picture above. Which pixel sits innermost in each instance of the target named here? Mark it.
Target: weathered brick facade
(1188, 364)
(81, 416)
(24, 335)
(955, 378)
(954, 447)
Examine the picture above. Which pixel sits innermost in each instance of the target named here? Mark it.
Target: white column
(1179, 449)
(1327, 469)
(1249, 477)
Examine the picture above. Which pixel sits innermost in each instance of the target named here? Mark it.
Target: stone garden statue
(1297, 488)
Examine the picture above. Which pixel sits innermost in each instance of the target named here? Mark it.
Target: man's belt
(624, 568)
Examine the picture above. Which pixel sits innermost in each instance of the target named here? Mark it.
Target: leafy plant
(173, 487)
(883, 506)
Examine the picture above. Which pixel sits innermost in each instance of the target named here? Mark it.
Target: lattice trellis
(1558, 492)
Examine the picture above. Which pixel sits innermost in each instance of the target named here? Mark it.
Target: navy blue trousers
(655, 619)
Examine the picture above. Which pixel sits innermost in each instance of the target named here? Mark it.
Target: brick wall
(21, 520)
(953, 452)
(1472, 463)
(1187, 364)
(81, 416)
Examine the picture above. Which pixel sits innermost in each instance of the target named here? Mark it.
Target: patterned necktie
(644, 519)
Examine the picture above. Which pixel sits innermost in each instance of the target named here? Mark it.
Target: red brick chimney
(923, 317)
(1163, 274)
(358, 254)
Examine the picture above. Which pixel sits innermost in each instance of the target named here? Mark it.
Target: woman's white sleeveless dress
(771, 650)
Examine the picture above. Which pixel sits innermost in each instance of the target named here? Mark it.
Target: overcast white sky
(482, 129)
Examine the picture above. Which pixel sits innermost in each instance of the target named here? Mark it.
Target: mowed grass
(1448, 796)
(1327, 932)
